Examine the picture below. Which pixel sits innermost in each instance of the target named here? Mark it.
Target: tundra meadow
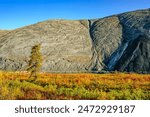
(83, 86)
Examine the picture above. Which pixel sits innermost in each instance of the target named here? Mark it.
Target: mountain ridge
(76, 45)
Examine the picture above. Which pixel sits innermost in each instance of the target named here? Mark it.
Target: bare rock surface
(66, 46)
(136, 57)
(80, 46)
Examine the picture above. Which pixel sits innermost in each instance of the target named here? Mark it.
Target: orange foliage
(95, 86)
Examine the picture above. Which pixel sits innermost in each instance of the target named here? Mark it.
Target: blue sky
(18, 13)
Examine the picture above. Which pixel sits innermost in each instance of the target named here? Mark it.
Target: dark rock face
(106, 36)
(136, 57)
(107, 44)
(111, 37)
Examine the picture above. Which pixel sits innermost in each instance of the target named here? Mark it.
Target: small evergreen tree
(35, 62)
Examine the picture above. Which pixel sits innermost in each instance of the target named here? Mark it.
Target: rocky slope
(3, 32)
(136, 57)
(66, 46)
(119, 42)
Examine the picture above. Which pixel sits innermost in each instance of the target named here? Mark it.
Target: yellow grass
(15, 85)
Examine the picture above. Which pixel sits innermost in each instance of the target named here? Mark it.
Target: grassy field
(116, 86)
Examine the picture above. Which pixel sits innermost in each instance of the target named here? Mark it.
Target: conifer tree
(35, 62)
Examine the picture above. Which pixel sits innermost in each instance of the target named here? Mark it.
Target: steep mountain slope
(82, 46)
(136, 57)
(111, 36)
(66, 46)
(106, 36)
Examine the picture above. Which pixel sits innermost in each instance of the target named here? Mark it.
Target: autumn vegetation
(35, 62)
(114, 86)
